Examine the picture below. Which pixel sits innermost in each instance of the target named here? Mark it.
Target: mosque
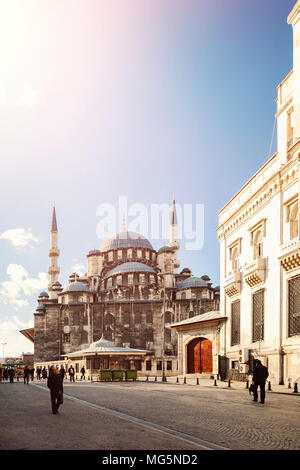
(124, 304)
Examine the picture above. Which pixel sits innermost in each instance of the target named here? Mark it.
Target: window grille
(294, 306)
(235, 322)
(258, 316)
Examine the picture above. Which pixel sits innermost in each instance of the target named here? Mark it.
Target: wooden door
(199, 356)
(206, 356)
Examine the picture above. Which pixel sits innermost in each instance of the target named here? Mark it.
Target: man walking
(62, 373)
(11, 374)
(56, 389)
(32, 373)
(260, 375)
(26, 375)
(71, 373)
(82, 370)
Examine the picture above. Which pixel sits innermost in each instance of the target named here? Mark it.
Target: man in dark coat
(260, 375)
(56, 388)
(38, 373)
(62, 373)
(82, 370)
(44, 373)
(32, 373)
(26, 375)
(5, 374)
(71, 373)
(11, 374)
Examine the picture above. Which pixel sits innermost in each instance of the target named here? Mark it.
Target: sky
(102, 99)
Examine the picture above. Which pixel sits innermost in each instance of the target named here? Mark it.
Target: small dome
(205, 278)
(130, 268)
(217, 288)
(94, 252)
(76, 287)
(186, 270)
(165, 249)
(125, 240)
(191, 282)
(44, 294)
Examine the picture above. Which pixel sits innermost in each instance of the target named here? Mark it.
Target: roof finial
(174, 215)
(54, 224)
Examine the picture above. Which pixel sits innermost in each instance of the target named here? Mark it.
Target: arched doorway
(199, 356)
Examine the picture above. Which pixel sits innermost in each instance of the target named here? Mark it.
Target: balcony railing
(255, 272)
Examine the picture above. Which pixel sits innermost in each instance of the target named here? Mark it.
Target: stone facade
(130, 295)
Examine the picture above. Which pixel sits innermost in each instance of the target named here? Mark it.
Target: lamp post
(163, 341)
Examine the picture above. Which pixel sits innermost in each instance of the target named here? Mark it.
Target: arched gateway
(199, 356)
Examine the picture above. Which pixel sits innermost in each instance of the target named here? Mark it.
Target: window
(168, 317)
(167, 335)
(149, 317)
(110, 256)
(235, 323)
(258, 316)
(158, 365)
(129, 253)
(66, 321)
(294, 306)
(75, 319)
(137, 317)
(84, 337)
(142, 278)
(119, 254)
(191, 314)
(126, 318)
(138, 365)
(97, 363)
(149, 335)
(169, 365)
(105, 363)
(66, 338)
(130, 279)
(258, 245)
(148, 365)
(139, 253)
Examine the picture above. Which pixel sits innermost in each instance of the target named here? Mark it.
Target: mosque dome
(76, 287)
(125, 240)
(205, 278)
(130, 268)
(44, 294)
(40, 308)
(94, 252)
(186, 270)
(191, 282)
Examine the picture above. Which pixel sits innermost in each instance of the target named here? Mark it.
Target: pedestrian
(32, 373)
(11, 374)
(26, 374)
(56, 389)
(260, 375)
(71, 372)
(5, 374)
(44, 373)
(1, 372)
(62, 373)
(38, 373)
(82, 370)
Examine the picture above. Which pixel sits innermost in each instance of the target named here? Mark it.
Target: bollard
(155, 380)
(197, 383)
(229, 383)
(295, 388)
(215, 382)
(247, 384)
(177, 380)
(147, 379)
(184, 380)
(165, 378)
(289, 385)
(269, 386)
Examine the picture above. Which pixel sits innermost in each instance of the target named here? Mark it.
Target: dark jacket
(260, 374)
(71, 371)
(55, 383)
(62, 373)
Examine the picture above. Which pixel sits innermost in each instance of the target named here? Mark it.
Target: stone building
(259, 239)
(130, 295)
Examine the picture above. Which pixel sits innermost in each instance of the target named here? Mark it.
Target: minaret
(53, 253)
(174, 227)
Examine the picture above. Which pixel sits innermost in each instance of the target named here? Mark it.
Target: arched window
(66, 321)
(235, 260)
(183, 296)
(137, 317)
(258, 245)
(76, 319)
(294, 222)
(191, 314)
(84, 337)
(126, 336)
(108, 319)
(108, 333)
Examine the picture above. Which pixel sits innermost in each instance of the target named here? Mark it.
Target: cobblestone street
(146, 415)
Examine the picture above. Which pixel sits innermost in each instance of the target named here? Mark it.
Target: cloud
(19, 237)
(10, 334)
(78, 268)
(20, 283)
(27, 97)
